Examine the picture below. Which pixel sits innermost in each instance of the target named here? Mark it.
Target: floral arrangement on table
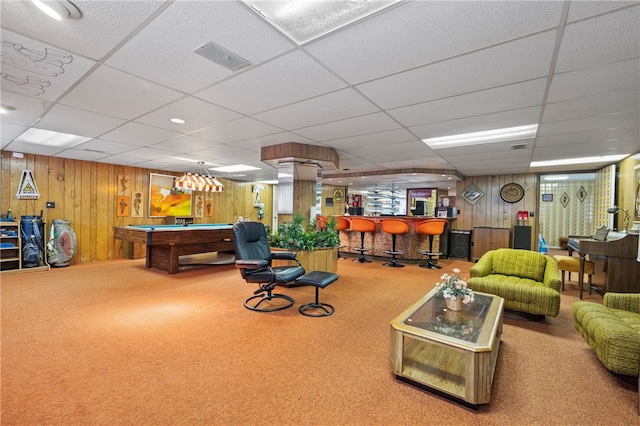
(454, 288)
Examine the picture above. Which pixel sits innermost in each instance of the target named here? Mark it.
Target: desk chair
(431, 227)
(253, 258)
(362, 225)
(394, 227)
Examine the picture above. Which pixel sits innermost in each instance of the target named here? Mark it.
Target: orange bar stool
(394, 227)
(431, 227)
(362, 225)
(342, 224)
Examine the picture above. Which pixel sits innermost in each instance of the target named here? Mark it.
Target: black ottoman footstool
(318, 279)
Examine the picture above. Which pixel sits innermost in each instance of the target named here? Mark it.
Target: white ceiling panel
(237, 130)
(227, 23)
(585, 9)
(27, 110)
(291, 78)
(33, 68)
(103, 146)
(115, 93)
(518, 117)
(322, 109)
(431, 31)
(513, 62)
(397, 152)
(103, 25)
(593, 106)
(185, 144)
(65, 119)
(79, 154)
(604, 137)
(29, 148)
(255, 144)
(200, 114)
(371, 140)
(615, 77)
(608, 38)
(513, 96)
(148, 154)
(586, 149)
(138, 134)
(224, 151)
(370, 123)
(10, 131)
(611, 121)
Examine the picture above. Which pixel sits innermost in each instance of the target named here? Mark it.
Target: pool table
(166, 243)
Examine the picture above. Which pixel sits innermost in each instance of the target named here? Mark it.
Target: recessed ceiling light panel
(306, 20)
(58, 9)
(234, 168)
(582, 160)
(484, 137)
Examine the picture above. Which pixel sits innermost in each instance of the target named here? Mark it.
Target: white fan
(62, 243)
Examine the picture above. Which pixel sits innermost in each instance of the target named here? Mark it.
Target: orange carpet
(113, 343)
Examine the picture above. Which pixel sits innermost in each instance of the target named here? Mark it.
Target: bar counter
(379, 241)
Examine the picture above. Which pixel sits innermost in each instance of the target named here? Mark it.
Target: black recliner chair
(253, 258)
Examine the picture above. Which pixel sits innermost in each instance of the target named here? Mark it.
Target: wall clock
(512, 193)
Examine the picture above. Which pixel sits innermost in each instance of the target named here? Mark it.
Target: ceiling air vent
(222, 56)
(519, 146)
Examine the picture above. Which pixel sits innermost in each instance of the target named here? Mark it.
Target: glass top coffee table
(451, 353)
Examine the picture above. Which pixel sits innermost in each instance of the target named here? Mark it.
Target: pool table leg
(174, 259)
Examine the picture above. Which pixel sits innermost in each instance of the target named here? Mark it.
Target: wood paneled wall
(85, 194)
(629, 187)
(491, 210)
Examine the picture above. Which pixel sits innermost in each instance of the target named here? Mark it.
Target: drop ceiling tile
(138, 134)
(29, 148)
(26, 111)
(396, 152)
(419, 33)
(105, 147)
(171, 61)
(513, 96)
(480, 123)
(587, 149)
(65, 119)
(148, 154)
(371, 140)
(9, 131)
(224, 151)
(486, 151)
(117, 94)
(370, 123)
(516, 61)
(322, 109)
(197, 113)
(287, 79)
(255, 144)
(237, 130)
(102, 27)
(123, 160)
(592, 106)
(33, 68)
(585, 9)
(185, 144)
(79, 154)
(616, 77)
(611, 121)
(599, 136)
(601, 40)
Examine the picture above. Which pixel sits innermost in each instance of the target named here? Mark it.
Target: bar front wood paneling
(380, 241)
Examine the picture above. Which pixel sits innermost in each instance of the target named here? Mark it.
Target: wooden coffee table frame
(451, 367)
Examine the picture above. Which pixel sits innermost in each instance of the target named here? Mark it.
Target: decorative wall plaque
(582, 194)
(512, 193)
(565, 199)
(472, 194)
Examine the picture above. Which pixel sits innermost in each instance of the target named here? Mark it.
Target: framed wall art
(165, 200)
(472, 194)
(512, 193)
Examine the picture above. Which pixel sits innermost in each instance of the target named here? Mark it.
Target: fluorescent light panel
(50, 138)
(484, 137)
(574, 161)
(306, 20)
(234, 168)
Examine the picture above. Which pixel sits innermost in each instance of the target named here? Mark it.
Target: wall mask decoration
(582, 194)
(565, 199)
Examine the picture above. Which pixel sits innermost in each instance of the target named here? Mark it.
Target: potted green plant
(315, 242)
